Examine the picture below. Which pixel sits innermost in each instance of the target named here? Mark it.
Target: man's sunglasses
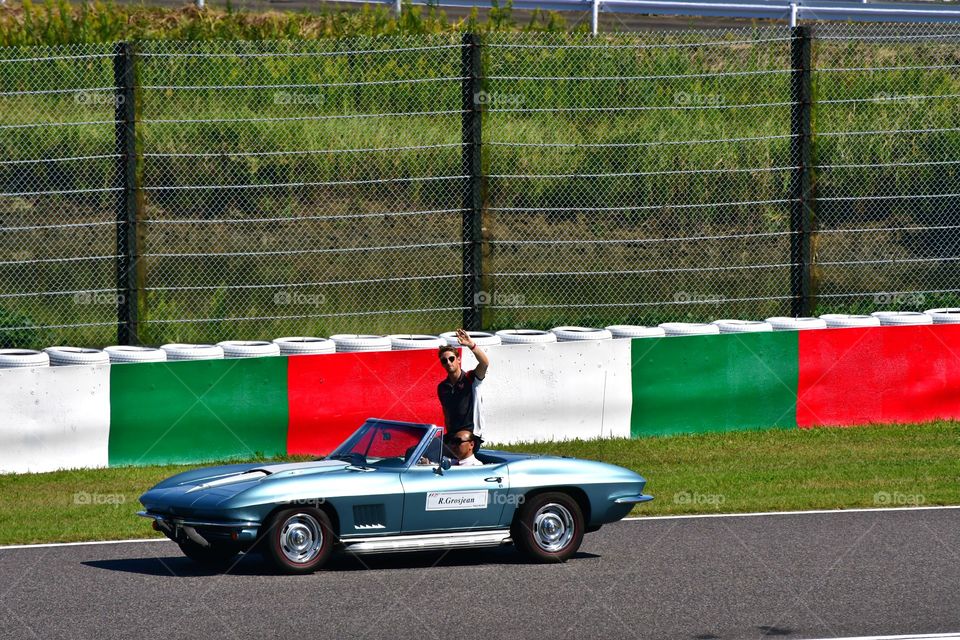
(448, 359)
(458, 441)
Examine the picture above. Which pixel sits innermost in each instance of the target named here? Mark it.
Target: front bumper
(633, 499)
(203, 532)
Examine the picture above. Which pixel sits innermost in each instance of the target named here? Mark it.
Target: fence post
(470, 67)
(124, 76)
(801, 206)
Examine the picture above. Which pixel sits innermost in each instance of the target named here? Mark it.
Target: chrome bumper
(173, 526)
(633, 499)
(178, 520)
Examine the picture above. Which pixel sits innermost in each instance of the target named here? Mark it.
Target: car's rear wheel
(210, 557)
(549, 527)
(299, 540)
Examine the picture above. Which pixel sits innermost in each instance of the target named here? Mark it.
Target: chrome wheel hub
(553, 527)
(301, 538)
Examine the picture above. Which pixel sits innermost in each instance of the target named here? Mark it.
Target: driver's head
(450, 359)
(463, 444)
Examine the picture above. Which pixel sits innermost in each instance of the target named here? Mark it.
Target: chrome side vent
(369, 516)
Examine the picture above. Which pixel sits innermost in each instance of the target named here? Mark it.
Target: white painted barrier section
(54, 418)
(556, 391)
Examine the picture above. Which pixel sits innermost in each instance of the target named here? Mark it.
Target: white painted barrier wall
(557, 391)
(54, 418)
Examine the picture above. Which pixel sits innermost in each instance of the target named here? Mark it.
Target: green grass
(747, 471)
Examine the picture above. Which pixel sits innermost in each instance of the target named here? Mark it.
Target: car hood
(212, 486)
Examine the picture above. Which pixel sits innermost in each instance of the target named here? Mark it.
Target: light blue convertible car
(388, 488)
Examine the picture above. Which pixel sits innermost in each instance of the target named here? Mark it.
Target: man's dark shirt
(457, 402)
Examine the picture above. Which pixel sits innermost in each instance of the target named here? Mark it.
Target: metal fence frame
(128, 190)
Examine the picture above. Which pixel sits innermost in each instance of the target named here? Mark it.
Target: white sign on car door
(445, 500)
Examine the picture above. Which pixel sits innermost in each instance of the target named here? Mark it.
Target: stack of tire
(360, 342)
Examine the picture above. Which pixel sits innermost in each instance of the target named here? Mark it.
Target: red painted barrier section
(330, 395)
(885, 374)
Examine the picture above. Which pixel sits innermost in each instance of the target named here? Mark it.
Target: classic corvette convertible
(389, 488)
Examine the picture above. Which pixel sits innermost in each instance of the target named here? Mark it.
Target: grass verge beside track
(768, 470)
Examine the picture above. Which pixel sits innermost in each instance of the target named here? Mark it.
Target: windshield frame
(429, 432)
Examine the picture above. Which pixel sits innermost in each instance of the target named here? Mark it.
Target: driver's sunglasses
(448, 359)
(458, 441)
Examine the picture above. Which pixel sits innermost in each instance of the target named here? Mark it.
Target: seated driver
(463, 444)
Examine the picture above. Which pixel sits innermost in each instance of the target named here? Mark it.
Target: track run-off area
(867, 573)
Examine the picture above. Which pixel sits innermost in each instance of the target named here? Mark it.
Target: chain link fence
(415, 184)
(58, 188)
(887, 154)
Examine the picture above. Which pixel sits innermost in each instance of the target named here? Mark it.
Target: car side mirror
(444, 465)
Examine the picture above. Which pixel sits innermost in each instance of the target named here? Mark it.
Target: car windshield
(381, 444)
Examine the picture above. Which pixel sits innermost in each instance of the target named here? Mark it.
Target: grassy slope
(731, 472)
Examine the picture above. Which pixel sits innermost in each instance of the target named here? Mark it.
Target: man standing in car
(459, 392)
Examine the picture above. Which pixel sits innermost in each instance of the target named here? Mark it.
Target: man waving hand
(459, 392)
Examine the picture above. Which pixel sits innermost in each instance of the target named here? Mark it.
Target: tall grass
(60, 22)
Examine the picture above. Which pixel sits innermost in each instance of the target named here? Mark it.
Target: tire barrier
(526, 336)
(356, 342)
(301, 345)
(949, 315)
(71, 356)
(482, 338)
(570, 334)
(248, 348)
(18, 358)
(780, 323)
(742, 326)
(198, 410)
(124, 353)
(848, 320)
(689, 329)
(899, 318)
(635, 331)
(179, 351)
(406, 341)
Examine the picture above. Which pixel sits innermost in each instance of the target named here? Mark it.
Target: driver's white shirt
(469, 461)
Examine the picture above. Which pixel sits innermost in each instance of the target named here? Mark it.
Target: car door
(462, 498)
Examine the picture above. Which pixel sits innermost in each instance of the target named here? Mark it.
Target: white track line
(634, 519)
(80, 544)
(787, 513)
(907, 637)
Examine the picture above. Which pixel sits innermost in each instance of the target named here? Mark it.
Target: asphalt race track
(818, 575)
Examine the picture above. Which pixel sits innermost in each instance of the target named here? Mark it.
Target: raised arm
(482, 360)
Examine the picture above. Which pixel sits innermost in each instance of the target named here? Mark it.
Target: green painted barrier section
(166, 412)
(722, 382)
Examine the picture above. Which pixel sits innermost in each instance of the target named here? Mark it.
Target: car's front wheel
(549, 527)
(299, 540)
